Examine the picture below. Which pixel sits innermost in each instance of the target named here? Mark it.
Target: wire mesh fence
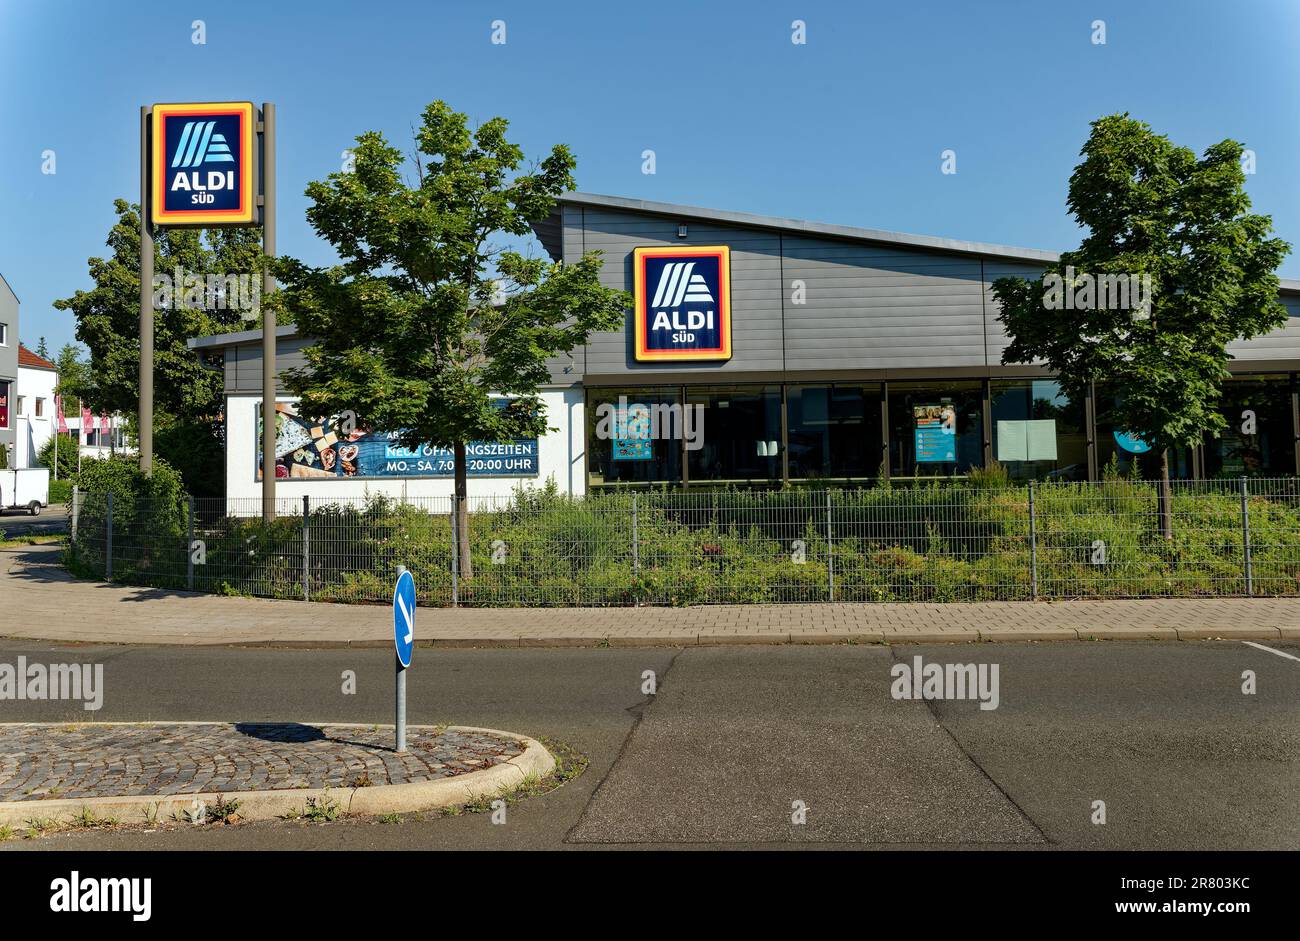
(933, 543)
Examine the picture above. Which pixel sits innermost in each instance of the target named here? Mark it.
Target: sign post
(404, 642)
(146, 308)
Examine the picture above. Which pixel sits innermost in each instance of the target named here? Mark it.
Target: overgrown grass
(922, 542)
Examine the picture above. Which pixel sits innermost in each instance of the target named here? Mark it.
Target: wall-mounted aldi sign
(202, 164)
(683, 302)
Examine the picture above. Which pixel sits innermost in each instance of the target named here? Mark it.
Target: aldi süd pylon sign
(202, 164)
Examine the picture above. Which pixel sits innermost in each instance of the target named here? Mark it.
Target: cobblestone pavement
(110, 760)
(41, 600)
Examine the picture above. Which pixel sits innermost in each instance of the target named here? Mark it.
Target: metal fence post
(1033, 545)
(636, 555)
(1245, 540)
(76, 508)
(108, 541)
(189, 546)
(306, 547)
(830, 551)
(455, 557)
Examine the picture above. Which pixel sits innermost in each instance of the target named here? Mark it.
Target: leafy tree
(108, 323)
(74, 374)
(67, 455)
(42, 350)
(426, 321)
(1151, 209)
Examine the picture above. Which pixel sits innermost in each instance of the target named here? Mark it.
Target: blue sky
(848, 128)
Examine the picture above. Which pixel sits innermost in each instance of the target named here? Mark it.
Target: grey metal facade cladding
(877, 305)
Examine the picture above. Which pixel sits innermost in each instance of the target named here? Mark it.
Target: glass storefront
(936, 429)
(1260, 438)
(630, 436)
(834, 431)
(740, 440)
(1038, 432)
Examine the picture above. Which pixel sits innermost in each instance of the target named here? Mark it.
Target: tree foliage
(425, 320)
(108, 316)
(188, 396)
(1153, 209)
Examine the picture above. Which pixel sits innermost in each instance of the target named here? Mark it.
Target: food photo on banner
(316, 449)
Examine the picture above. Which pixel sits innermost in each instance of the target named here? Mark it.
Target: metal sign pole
(268, 313)
(146, 307)
(400, 723)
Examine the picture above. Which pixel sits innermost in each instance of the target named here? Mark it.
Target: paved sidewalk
(39, 600)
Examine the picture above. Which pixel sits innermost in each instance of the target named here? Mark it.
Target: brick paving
(38, 599)
(118, 760)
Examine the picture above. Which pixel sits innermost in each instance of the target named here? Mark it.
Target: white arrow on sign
(406, 615)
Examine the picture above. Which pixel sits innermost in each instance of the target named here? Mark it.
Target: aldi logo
(683, 302)
(202, 166)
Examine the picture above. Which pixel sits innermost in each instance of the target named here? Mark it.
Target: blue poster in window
(631, 441)
(936, 434)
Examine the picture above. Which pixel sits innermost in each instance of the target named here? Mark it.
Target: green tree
(186, 392)
(42, 350)
(426, 322)
(74, 374)
(1151, 209)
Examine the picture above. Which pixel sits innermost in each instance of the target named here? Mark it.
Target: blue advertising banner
(936, 434)
(307, 450)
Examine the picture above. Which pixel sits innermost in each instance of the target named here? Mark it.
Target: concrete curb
(712, 639)
(269, 805)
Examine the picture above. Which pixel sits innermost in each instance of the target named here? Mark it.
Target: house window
(18, 405)
(40, 407)
(4, 334)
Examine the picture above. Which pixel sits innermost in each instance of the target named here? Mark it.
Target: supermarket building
(850, 354)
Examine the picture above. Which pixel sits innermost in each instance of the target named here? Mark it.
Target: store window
(634, 436)
(1119, 449)
(935, 428)
(834, 432)
(1038, 432)
(740, 439)
(1259, 440)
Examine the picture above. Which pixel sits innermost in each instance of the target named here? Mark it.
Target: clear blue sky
(848, 128)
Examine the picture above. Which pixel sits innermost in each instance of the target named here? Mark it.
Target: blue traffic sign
(404, 617)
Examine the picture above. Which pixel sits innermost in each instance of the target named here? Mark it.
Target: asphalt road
(52, 520)
(1161, 732)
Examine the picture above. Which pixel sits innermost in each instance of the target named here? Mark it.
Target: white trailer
(25, 489)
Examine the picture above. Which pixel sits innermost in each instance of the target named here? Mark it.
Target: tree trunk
(1166, 501)
(466, 567)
